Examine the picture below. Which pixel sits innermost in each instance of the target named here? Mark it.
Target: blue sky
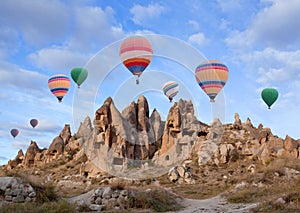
(259, 41)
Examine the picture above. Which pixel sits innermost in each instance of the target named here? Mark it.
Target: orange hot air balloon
(211, 76)
(59, 85)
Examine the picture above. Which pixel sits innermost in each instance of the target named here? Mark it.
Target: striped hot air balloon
(211, 76)
(59, 85)
(170, 89)
(136, 54)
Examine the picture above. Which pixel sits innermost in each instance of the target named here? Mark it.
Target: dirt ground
(215, 204)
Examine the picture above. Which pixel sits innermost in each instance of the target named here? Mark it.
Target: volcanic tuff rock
(117, 138)
(32, 150)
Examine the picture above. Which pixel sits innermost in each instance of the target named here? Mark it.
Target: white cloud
(194, 24)
(8, 41)
(141, 14)
(230, 5)
(57, 58)
(39, 22)
(274, 26)
(198, 38)
(26, 80)
(94, 28)
(274, 66)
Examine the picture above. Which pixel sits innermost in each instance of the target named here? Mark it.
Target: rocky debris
(180, 174)
(103, 197)
(15, 190)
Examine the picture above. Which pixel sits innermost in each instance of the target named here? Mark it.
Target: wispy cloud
(44, 22)
(198, 38)
(264, 30)
(143, 14)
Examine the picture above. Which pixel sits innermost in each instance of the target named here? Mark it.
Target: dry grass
(159, 200)
(48, 207)
(275, 185)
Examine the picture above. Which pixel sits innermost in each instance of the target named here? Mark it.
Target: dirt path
(213, 205)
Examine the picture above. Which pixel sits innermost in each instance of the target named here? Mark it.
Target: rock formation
(32, 150)
(117, 141)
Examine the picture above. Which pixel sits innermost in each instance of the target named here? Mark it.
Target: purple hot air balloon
(34, 122)
(14, 132)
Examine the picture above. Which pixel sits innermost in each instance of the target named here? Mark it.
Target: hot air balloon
(212, 76)
(79, 75)
(14, 132)
(136, 54)
(34, 122)
(269, 95)
(170, 89)
(59, 85)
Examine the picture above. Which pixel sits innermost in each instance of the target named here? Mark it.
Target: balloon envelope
(136, 54)
(170, 89)
(269, 96)
(59, 85)
(34, 122)
(14, 132)
(212, 76)
(79, 75)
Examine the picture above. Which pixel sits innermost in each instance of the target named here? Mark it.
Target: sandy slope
(213, 205)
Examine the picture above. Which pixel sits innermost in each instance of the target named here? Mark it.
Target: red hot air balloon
(59, 85)
(34, 122)
(136, 54)
(14, 132)
(212, 76)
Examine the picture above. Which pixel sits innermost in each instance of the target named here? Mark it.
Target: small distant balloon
(211, 75)
(14, 132)
(170, 89)
(79, 75)
(269, 96)
(59, 85)
(136, 54)
(34, 122)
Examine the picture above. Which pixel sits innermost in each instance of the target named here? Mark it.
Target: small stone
(32, 195)
(8, 192)
(107, 193)
(28, 199)
(124, 193)
(8, 198)
(98, 192)
(18, 199)
(280, 200)
(95, 207)
(115, 194)
(98, 201)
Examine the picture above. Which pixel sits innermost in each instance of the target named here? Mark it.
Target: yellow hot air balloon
(59, 85)
(212, 76)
